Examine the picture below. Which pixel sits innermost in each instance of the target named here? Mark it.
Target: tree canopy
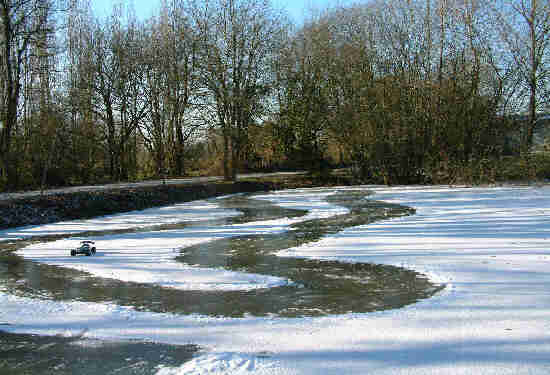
(403, 91)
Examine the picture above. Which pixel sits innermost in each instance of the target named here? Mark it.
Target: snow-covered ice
(150, 257)
(491, 246)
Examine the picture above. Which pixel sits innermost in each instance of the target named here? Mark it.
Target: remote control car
(86, 247)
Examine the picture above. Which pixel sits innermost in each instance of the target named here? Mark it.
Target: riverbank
(71, 205)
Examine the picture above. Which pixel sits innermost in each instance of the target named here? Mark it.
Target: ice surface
(490, 245)
(149, 257)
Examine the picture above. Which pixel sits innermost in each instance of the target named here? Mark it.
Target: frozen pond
(312, 287)
(488, 246)
(278, 286)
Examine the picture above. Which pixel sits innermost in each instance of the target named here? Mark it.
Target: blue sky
(295, 8)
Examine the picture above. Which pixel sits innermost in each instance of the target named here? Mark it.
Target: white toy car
(86, 248)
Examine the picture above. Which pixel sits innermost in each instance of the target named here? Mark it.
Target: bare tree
(239, 39)
(524, 27)
(84, 146)
(116, 85)
(22, 23)
(173, 85)
(307, 74)
(410, 93)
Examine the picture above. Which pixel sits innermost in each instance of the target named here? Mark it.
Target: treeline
(403, 91)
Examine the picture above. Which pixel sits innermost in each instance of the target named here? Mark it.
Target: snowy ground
(490, 245)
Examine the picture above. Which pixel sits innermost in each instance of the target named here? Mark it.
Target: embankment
(44, 209)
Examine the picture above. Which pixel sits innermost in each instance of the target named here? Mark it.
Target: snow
(224, 363)
(184, 212)
(491, 246)
(150, 257)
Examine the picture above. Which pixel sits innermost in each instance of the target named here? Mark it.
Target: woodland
(394, 91)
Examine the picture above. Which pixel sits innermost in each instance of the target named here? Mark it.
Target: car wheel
(88, 253)
(73, 253)
(93, 250)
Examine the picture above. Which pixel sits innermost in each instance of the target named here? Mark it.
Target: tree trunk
(8, 158)
(226, 154)
(532, 119)
(179, 151)
(234, 160)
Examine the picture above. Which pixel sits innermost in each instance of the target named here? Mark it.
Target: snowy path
(492, 247)
(127, 185)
